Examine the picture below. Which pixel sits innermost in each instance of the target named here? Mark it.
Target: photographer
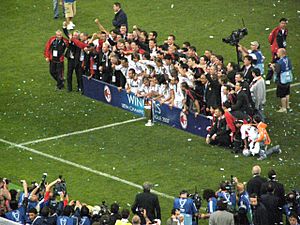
(81, 213)
(292, 206)
(244, 208)
(186, 206)
(257, 56)
(284, 78)
(18, 214)
(125, 218)
(173, 220)
(4, 195)
(114, 214)
(259, 211)
(210, 197)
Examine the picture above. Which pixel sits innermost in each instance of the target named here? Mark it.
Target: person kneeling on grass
(260, 142)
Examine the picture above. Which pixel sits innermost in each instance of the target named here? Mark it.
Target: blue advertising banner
(176, 118)
(161, 113)
(111, 95)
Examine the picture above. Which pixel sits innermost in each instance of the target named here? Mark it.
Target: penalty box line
(80, 132)
(70, 163)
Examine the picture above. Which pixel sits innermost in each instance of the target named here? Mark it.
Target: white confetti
(114, 168)
(274, 4)
(298, 11)
(280, 159)
(267, 28)
(211, 37)
(172, 6)
(236, 156)
(156, 185)
(222, 169)
(274, 15)
(30, 158)
(190, 139)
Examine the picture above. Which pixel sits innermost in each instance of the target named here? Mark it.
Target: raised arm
(101, 28)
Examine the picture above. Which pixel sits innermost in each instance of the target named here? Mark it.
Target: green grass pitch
(169, 158)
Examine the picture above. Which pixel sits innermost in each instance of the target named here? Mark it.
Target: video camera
(60, 187)
(235, 36)
(228, 185)
(104, 209)
(196, 198)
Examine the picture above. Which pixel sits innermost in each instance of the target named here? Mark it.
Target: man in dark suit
(219, 134)
(247, 69)
(105, 64)
(120, 16)
(278, 187)
(147, 201)
(254, 184)
(271, 202)
(213, 88)
(241, 108)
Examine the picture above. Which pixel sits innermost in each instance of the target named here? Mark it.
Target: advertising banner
(174, 117)
(111, 95)
(161, 112)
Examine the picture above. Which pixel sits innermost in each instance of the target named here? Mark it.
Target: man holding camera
(4, 195)
(283, 70)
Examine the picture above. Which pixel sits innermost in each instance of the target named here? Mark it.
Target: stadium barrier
(4, 221)
(162, 113)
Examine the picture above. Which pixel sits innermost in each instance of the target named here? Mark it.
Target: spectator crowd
(259, 201)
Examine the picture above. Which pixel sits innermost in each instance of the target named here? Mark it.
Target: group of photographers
(260, 201)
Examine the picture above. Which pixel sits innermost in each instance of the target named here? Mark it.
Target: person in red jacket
(54, 55)
(277, 37)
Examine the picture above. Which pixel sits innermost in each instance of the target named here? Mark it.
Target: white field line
(81, 132)
(67, 162)
(274, 89)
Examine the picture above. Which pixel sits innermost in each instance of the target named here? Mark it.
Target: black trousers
(57, 72)
(106, 77)
(78, 71)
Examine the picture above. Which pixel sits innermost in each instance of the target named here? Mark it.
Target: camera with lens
(7, 181)
(235, 36)
(60, 186)
(197, 199)
(141, 210)
(228, 185)
(104, 209)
